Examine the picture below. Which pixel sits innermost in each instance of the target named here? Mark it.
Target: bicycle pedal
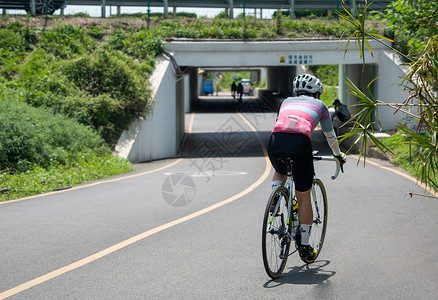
(285, 240)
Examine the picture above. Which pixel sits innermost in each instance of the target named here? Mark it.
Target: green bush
(329, 95)
(105, 90)
(41, 83)
(141, 44)
(222, 15)
(251, 28)
(28, 35)
(81, 15)
(97, 32)
(328, 74)
(302, 13)
(66, 41)
(15, 40)
(411, 23)
(113, 92)
(32, 137)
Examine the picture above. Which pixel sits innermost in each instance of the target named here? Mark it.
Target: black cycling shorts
(298, 147)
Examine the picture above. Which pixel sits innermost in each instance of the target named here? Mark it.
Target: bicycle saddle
(285, 160)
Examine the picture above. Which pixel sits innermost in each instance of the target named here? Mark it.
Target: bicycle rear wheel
(319, 207)
(276, 236)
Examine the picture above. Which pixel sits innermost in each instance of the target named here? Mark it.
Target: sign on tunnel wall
(297, 59)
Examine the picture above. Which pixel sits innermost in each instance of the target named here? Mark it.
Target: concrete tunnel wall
(386, 88)
(157, 135)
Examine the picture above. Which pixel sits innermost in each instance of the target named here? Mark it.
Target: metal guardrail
(291, 5)
(37, 6)
(271, 4)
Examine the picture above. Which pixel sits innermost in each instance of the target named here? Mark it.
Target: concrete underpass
(176, 83)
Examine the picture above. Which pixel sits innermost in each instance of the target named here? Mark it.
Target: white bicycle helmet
(307, 83)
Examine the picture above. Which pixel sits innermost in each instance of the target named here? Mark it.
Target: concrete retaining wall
(387, 88)
(389, 91)
(156, 135)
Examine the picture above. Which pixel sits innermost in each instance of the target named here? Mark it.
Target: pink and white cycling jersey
(301, 115)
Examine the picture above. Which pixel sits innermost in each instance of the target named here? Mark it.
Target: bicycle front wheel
(276, 235)
(319, 207)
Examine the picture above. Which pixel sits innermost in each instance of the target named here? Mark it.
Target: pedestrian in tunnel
(233, 89)
(240, 91)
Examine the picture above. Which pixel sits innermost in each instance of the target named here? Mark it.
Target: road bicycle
(281, 224)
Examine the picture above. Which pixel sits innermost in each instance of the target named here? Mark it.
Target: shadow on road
(234, 142)
(212, 104)
(232, 138)
(224, 144)
(303, 275)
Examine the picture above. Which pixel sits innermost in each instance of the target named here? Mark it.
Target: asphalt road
(190, 227)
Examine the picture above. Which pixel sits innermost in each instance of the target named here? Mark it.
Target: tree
(413, 24)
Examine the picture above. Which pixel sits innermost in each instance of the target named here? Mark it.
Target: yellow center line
(116, 247)
(407, 176)
(192, 118)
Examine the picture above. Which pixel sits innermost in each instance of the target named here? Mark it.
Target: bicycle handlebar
(339, 167)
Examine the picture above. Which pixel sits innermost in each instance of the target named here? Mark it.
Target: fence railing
(231, 8)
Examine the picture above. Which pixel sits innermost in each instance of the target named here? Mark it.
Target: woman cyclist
(297, 118)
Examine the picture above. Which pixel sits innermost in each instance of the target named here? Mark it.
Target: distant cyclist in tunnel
(297, 118)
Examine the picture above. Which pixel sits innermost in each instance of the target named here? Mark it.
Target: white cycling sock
(305, 233)
(276, 183)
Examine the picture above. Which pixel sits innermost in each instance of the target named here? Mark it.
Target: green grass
(405, 154)
(40, 180)
(400, 145)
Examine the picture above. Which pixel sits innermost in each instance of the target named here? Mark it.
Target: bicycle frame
(289, 185)
(281, 222)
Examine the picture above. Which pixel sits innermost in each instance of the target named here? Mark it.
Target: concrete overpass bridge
(176, 83)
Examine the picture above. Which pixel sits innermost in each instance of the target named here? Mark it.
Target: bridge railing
(170, 8)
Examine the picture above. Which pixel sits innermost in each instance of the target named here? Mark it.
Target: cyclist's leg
(276, 150)
(303, 177)
(305, 213)
(278, 178)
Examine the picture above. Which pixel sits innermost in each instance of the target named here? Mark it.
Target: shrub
(81, 15)
(41, 83)
(328, 74)
(96, 32)
(66, 41)
(411, 24)
(105, 90)
(114, 92)
(32, 137)
(142, 44)
(15, 40)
